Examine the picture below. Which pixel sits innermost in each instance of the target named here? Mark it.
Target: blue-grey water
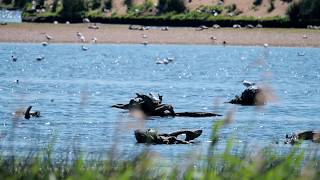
(10, 16)
(74, 90)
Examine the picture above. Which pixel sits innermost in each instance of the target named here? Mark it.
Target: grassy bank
(180, 20)
(263, 164)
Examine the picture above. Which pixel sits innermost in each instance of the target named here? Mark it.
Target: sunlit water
(74, 90)
(10, 16)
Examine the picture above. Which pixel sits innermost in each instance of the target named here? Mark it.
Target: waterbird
(94, 40)
(213, 38)
(265, 45)
(248, 83)
(14, 58)
(145, 43)
(301, 53)
(79, 34)
(39, 58)
(44, 43)
(84, 48)
(83, 39)
(165, 61)
(48, 37)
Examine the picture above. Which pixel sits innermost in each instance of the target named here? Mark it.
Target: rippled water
(10, 16)
(74, 90)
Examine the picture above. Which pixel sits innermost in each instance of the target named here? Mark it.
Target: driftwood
(150, 136)
(30, 113)
(151, 107)
(196, 114)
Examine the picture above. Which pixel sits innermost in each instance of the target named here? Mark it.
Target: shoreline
(120, 34)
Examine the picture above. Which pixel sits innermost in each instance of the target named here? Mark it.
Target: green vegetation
(73, 8)
(128, 3)
(20, 3)
(263, 164)
(108, 4)
(177, 6)
(257, 2)
(304, 10)
(146, 8)
(271, 6)
(166, 12)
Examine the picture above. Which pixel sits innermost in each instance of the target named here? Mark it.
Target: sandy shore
(29, 32)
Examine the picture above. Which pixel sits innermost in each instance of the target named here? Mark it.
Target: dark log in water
(197, 114)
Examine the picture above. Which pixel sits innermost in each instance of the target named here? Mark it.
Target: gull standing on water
(248, 84)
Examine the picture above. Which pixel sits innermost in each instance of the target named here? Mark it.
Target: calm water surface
(74, 90)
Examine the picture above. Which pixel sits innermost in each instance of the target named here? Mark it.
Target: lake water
(10, 16)
(74, 90)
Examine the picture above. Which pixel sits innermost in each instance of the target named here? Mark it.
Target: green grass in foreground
(265, 164)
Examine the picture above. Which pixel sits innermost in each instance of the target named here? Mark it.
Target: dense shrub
(73, 8)
(20, 3)
(304, 9)
(257, 2)
(54, 5)
(171, 6)
(271, 6)
(231, 8)
(144, 9)
(41, 2)
(128, 3)
(95, 4)
(7, 1)
(108, 4)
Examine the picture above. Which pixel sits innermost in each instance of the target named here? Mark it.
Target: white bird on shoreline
(48, 37)
(79, 34)
(82, 39)
(94, 40)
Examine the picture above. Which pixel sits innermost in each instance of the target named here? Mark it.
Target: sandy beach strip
(67, 33)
